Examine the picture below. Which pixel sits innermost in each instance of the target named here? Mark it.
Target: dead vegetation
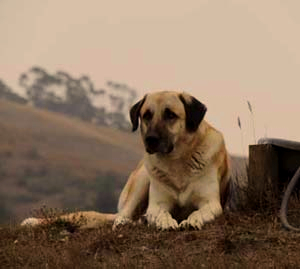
(233, 240)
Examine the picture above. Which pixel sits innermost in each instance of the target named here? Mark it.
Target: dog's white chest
(172, 179)
(180, 184)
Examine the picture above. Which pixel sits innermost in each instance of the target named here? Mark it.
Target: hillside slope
(47, 158)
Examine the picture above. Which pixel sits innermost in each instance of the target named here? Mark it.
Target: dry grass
(232, 241)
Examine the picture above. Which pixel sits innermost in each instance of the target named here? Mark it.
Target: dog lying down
(183, 179)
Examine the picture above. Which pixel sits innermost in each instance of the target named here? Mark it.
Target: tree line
(77, 97)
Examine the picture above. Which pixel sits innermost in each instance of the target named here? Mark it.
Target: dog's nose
(152, 141)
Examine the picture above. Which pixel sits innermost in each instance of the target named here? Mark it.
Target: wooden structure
(272, 163)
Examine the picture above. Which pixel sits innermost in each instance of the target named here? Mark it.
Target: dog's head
(165, 118)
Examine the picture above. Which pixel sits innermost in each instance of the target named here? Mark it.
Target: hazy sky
(222, 52)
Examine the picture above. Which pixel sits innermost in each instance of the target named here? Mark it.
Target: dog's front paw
(120, 221)
(163, 220)
(198, 218)
(194, 221)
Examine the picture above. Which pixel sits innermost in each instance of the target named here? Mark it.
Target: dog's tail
(82, 219)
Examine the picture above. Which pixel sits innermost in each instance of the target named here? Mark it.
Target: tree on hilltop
(63, 93)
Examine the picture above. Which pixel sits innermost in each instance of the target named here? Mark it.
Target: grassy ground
(234, 240)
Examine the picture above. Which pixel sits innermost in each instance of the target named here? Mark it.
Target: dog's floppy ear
(135, 113)
(194, 111)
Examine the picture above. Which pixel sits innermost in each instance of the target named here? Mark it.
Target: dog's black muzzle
(156, 143)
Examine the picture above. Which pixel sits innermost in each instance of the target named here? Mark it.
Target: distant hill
(7, 93)
(47, 158)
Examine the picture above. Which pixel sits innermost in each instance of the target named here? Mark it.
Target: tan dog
(185, 169)
(184, 175)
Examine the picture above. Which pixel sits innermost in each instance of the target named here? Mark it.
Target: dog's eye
(147, 115)
(169, 115)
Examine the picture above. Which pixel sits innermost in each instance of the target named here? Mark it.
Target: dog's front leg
(133, 196)
(161, 203)
(206, 198)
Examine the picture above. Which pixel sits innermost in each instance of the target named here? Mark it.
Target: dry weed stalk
(252, 117)
(242, 136)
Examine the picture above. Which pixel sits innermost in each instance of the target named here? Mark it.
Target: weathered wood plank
(264, 175)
